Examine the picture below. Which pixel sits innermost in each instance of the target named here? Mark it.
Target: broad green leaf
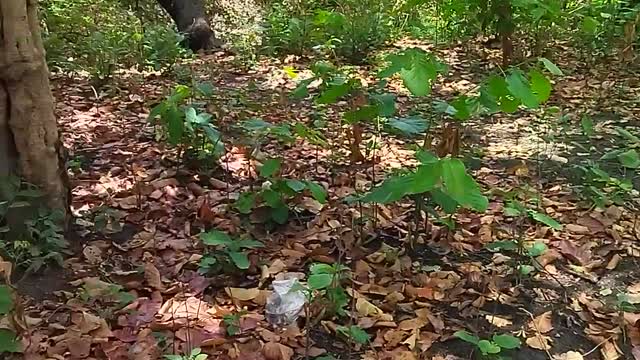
(317, 191)
(627, 135)
(409, 126)
(461, 186)
(506, 341)
(466, 336)
(425, 178)
(157, 110)
(320, 268)
(589, 25)
(358, 335)
(302, 90)
(526, 269)
(290, 71)
(248, 244)
(426, 157)
(551, 66)
(296, 185)
(545, 219)
(334, 92)
(6, 300)
(487, 347)
(270, 167)
(497, 88)
(392, 189)
(240, 259)
(246, 202)
(319, 281)
(587, 125)
(420, 76)
(205, 88)
(540, 85)
(629, 159)
(448, 204)
(508, 245)
(173, 357)
(215, 237)
(255, 124)
(385, 104)
(464, 107)
(175, 125)
(280, 214)
(201, 357)
(517, 85)
(538, 248)
(9, 342)
(365, 113)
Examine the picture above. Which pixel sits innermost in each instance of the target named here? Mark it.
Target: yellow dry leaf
(609, 351)
(365, 308)
(412, 324)
(571, 355)
(539, 342)
(541, 323)
(411, 341)
(242, 294)
(498, 321)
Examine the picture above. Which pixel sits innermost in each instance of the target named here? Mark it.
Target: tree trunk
(191, 20)
(506, 28)
(29, 141)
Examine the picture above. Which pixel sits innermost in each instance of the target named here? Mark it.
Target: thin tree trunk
(191, 20)
(29, 141)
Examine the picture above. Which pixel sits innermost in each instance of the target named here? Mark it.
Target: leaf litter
(136, 292)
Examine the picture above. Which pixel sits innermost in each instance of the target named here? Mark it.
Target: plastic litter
(285, 303)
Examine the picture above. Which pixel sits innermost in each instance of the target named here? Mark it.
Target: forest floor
(132, 290)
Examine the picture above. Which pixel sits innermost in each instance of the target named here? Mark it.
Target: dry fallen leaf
(539, 342)
(277, 351)
(498, 321)
(242, 294)
(571, 355)
(152, 276)
(609, 351)
(541, 323)
(365, 308)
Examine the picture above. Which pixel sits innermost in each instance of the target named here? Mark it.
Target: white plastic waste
(286, 302)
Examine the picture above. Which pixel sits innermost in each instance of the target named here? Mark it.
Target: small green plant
(493, 348)
(355, 334)
(232, 323)
(30, 233)
(602, 189)
(185, 125)
(9, 342)
(325, 282)
(229, 254)
(530, 250)
(195, 354)
(162, 47)
(278, 193)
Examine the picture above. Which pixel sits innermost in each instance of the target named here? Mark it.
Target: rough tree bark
(29, 140)
(191, 20)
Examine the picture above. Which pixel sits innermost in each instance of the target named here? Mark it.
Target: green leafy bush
(30, 233)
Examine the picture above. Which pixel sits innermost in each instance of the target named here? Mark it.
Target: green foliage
(232, 323)
(350, 29)
(184, 122)
(196, 354)
(355, 334)
(447, 177)
(30, 233)
(230, 254)
(491, 347)
(602, 189)
(325, 282)
(278, 193)
(417, 69)
(99, 37)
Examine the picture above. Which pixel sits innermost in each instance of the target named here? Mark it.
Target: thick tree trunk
(29, 141)
(191, 20)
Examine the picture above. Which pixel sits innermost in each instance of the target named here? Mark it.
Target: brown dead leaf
(539, 342)
(577, 229)
(593, 225)
(541, 323)
(582, 256)
(412, 324)
(79, 346)
(152, 276)
(242, 294)
(277, 351)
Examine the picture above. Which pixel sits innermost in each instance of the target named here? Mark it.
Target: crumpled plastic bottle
(286, 302)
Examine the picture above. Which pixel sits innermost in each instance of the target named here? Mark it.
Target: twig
(597, 346)
(538, 333)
